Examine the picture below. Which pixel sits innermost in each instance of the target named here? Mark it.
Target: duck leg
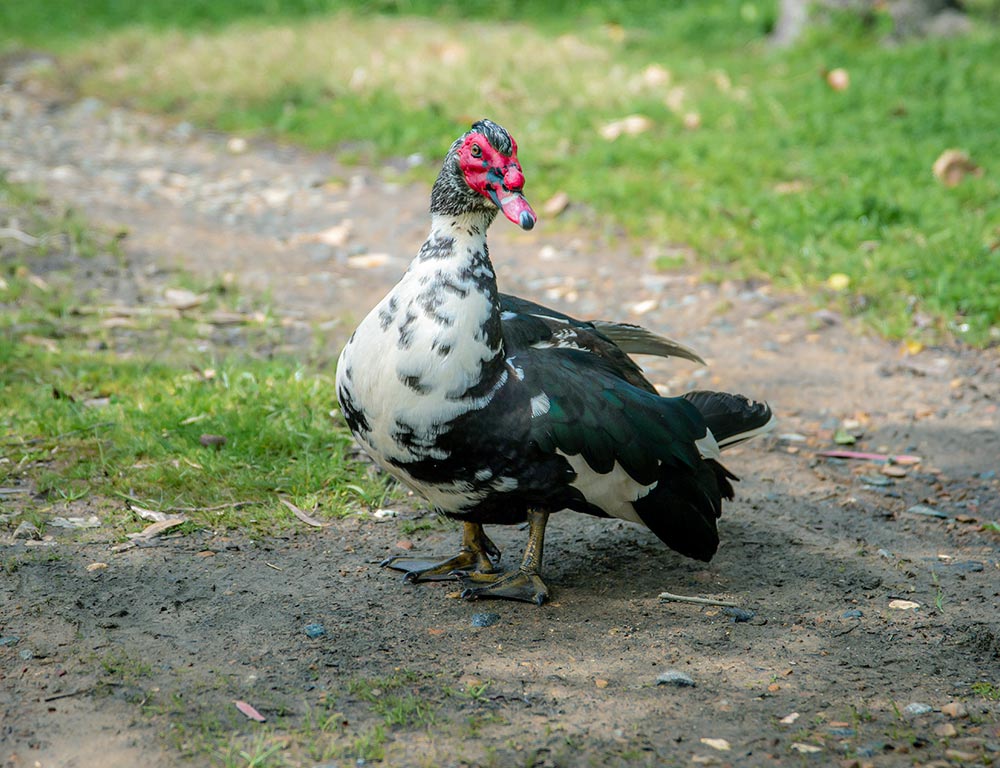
(478, 555)
(523, 584)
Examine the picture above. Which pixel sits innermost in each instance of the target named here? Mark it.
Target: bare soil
(139, 663)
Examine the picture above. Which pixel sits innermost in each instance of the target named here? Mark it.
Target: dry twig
(669, 596)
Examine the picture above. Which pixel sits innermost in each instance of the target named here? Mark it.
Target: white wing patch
(539, 405)
(708, 447)
(612, 491)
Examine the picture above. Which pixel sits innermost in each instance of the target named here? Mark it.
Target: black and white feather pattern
(489, 405)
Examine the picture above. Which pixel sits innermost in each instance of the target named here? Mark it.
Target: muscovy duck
(498, 410)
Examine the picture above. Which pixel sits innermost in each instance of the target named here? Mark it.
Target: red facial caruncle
(496, 176)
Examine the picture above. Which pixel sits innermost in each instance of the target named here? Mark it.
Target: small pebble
(485, 619)
(27, 530)
(915, 709)
(8, 640)
(921, 509)
(739, 614)
(26, 655)
(961, 566)
(841, 733)
(852, 614)
(945, 730)
(869, 750)
(877, 480)
(315, 630)
(673, 677)
(955, 709)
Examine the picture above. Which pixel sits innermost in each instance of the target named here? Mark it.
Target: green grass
(784, 177)
(116, 416)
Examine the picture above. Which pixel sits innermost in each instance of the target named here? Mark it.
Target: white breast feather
(378, 362)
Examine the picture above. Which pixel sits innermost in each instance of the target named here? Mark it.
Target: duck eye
(476, 151)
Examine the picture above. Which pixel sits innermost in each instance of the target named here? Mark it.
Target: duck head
(481, 173)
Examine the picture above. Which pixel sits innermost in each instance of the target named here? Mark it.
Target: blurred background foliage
(680, 122)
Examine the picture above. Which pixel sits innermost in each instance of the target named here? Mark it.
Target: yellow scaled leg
(523, 584)
(478, 555)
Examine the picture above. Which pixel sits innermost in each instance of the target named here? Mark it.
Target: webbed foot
(512, 585)
(523, 584)
(478, 555)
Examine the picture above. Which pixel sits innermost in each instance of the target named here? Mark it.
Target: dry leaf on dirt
(181, 298)
(368, 261)
(305, 517)
(249, 711)
(720, 744)
(335, 236)
(75, 522)
(150, 514)
(806, 748)
(555, 204)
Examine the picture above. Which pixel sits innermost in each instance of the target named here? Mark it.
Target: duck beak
(514, 207)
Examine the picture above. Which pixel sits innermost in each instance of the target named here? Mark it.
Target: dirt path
(153, 650)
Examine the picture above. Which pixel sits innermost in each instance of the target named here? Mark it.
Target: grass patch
(989, 691)
(119, 412)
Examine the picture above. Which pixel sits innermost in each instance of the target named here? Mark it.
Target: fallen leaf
(368, 261)
(181, 298)
(838, 281)
(642, 307)
(807, 749)
(149, 514)
(249, 711)
(304, 516)
(655, 76)
(97, 567)
(157, 529)
(601, 683)
(720, 744)
(39, 341)
(952, 166)
(555, 204)
(838, 79)
(789, 719)
(632, 125)
(75, 522)
(903, 605)
(336, 235)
